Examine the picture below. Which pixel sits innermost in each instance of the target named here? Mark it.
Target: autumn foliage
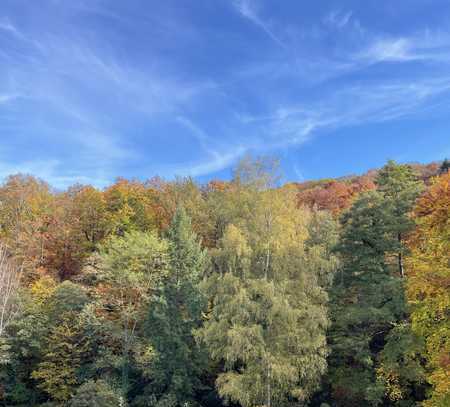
(333, 195)
(428, 285)
(333, 292)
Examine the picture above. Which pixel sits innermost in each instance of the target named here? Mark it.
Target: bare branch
(10, 275)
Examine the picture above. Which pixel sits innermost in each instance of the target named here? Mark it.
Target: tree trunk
(125, 352)
(400, 259)
(266, 267)
(9, 284)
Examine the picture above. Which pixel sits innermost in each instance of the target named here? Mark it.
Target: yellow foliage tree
(428, 285)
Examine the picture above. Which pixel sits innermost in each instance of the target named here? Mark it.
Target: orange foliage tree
(334, 195)
(25, 211)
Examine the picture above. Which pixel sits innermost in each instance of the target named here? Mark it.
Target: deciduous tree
(133, 267)
(428, 285)
(267, 316)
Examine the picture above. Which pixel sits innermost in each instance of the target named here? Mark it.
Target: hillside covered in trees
(244, 293)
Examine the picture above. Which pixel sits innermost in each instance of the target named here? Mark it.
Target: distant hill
(336, 194)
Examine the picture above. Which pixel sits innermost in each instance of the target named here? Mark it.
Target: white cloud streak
(62, 67)
(211, 164)
(248, 10)
(295, 125)
(418, 47)
(390, 50)
(338, 19)
(92, 88)
(218, 157)
(7, 26)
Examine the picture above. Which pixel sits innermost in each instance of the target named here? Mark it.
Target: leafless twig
(10, 275)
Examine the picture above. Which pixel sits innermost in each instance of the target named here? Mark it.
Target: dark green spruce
(175, 311)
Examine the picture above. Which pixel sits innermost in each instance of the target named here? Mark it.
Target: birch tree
(267, 318)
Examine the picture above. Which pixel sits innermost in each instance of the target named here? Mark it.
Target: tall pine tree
(400, 188)
(175, 311)
(368, 293)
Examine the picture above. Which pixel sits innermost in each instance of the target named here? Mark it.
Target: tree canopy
(240, 293)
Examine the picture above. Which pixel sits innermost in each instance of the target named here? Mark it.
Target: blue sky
(95, 89)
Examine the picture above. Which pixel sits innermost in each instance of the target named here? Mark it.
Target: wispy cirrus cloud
(80, 94)
(338, 18)
(295, 124)
(211, 164)
(375, 101)
(397, 49)
(6, 25)
(109, 89)
(219, 155)
(380, 99)
(198, 133)
(248, 9)
(423, 46)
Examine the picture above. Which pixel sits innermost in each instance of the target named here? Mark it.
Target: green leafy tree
(42, 346)
(67, 297)
(267, 318)
(96, 394)
(175, 311)
(65, 345)
(57, 373)
(21, 351)
(132, 268)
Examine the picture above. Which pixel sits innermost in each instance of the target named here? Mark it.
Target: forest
(248, 292)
